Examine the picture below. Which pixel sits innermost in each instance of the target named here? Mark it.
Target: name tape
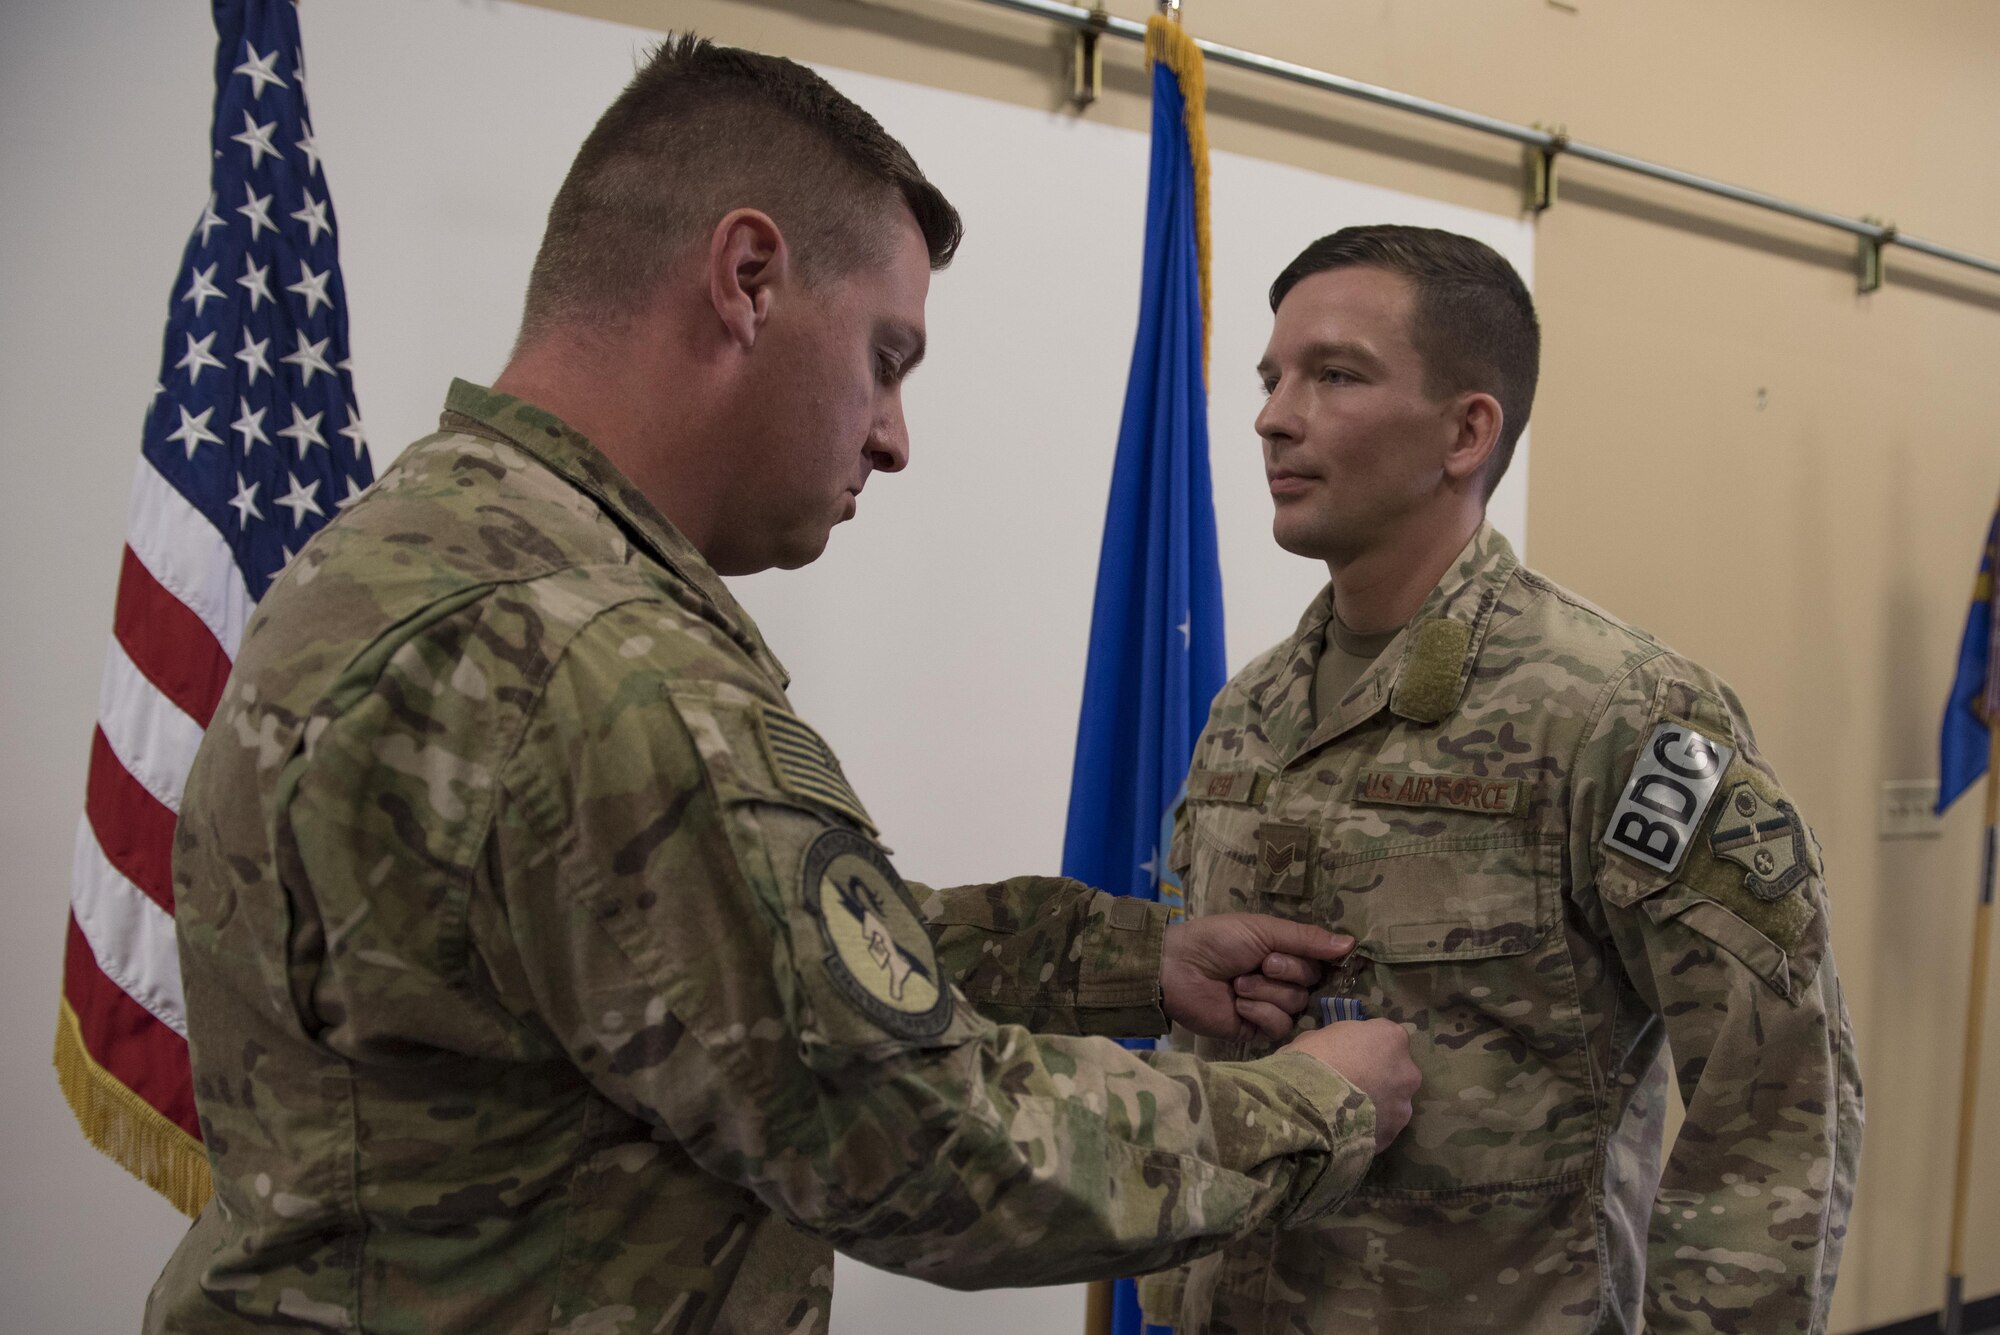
(1226, 785)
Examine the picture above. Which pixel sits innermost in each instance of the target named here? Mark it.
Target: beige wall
(1781, 478)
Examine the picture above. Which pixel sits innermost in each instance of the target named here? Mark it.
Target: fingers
(1267, 1019)
(1300, 938)
(1256, 987)
(1291, 969)
(1374, 1055)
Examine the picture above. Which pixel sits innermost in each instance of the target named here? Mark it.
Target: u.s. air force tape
(1673, 781)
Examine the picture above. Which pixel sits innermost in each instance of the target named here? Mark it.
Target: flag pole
(1954, 1302)
(1097, 1308)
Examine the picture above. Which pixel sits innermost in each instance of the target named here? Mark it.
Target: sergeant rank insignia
(1281, 858)
(1765, 838)
(877, 950)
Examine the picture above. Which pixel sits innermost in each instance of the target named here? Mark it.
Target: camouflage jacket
(1560, 851)
(544, 972)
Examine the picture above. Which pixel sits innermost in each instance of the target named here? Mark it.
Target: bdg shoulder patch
(1674, 778)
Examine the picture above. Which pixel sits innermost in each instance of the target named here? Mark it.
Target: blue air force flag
(1156, 648)
(1973, 710)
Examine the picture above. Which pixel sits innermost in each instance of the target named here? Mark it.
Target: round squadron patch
(878, 952)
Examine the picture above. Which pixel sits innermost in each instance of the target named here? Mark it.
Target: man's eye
(1333, 375)
(1270, 386)
(886, 369)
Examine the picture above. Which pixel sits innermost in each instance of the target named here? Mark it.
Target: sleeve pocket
(1783, 972)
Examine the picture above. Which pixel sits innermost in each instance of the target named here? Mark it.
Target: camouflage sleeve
(723, 955)
(1052, 955)
(1711, 890)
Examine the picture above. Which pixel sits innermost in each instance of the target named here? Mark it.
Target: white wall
(940, 642)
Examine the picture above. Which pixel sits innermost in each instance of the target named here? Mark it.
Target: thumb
(1300, 938)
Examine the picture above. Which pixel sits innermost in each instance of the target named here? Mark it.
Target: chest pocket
(1458, 924)
(1457, 918)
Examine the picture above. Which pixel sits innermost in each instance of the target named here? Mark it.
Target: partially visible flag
(1156, 655)
(1974, 707)
(252, 441)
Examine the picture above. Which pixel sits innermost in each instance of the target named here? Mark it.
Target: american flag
(251, 443)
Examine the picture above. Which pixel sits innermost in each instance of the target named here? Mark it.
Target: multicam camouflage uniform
(545, 974)
(1462, 812)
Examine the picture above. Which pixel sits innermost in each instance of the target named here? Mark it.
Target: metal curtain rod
(1873, 235)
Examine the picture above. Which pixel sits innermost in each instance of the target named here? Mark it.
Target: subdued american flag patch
(804, 764)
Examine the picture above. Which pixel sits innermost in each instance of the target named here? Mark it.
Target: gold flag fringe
(127, 1128)
(1168, 42)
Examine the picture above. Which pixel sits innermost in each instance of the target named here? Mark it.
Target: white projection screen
(939, 644)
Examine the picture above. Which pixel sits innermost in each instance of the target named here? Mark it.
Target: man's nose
(1277, 420)
(889, 443)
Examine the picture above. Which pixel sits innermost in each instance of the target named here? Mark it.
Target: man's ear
(748, 265)
(1478, 418)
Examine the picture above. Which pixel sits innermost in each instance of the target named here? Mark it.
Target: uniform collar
(534, 431)
(1420, 676)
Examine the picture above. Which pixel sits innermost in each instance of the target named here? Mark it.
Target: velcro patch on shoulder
(804, 765)
(1674, 778)
(1451, 792)
(1755, 862)
(1227, 785)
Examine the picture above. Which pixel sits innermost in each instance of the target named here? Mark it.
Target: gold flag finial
(1170, 44)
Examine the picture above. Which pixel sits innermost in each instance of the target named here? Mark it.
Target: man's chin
(786, 552)
(1299, 539)
(803, 553)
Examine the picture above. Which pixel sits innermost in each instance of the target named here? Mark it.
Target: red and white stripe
(181, 609)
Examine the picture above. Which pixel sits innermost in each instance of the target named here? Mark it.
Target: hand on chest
(1435, 847)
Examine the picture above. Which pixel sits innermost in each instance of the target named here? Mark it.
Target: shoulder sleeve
(382, 810)
(1052, 954)
(723, 949)
(1710, 888)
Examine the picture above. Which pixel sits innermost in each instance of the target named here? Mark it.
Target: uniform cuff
(1122, 944)
(1346, 1117)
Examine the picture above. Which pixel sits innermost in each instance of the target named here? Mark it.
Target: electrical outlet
(1908, 807)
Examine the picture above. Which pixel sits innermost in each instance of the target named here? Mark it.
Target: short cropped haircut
(701, 130)
(1472, 319)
